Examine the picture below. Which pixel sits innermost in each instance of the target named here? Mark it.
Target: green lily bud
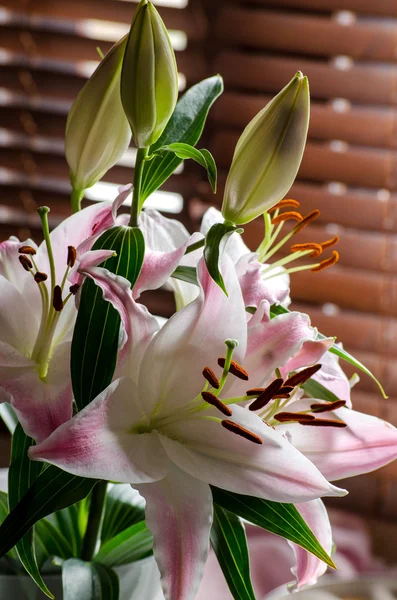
(149, 78)
(268, 154)
(97, 131)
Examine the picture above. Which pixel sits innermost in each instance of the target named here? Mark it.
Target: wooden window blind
(348, 49)
(48, 48)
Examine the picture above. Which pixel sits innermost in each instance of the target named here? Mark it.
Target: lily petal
(179, 515)
(18, 323)
(171, 371)
(139, 325)
(366, 444)
(312, 352)
(274, 470)
(255, 288)
(333, 378)
(235, 247)
(11, 269)
(308, 568)
(98, 442)
(43, 405)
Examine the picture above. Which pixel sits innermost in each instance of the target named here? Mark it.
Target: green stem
(94, 524)
(43, 212)
(135, 205)
(75, 200)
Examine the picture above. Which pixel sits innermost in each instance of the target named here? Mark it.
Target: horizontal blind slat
(384, 8)
(306, 34)
(265, 73)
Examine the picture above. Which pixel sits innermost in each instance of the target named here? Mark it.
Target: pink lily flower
(165, 430)
(35, 336)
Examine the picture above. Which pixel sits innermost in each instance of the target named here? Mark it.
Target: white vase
(138, 581)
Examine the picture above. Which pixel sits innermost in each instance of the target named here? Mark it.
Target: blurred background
(348, 49)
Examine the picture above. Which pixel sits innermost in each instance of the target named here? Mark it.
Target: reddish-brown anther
(72, 254)
(235, 369)
(328, 262)
(266, 395)
(306, 220)
(291, 215)
(245, 433)
(25, 262)
(321, 408)
(39, 277)
(324, 423)
(283, 417)
(74, 289)
(27, 250)
(302, 376)
(214, 401)
(57, 301)
(211, 377)
(331, 242)
(316, 249)
(287, 203)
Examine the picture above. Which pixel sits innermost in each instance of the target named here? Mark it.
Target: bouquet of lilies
(131, 436)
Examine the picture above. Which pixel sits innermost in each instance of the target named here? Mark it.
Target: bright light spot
(181, 82)
(129, 158)
(340, 105)
(171, 3)
(343, 63)
(336, 188)
(339, 146)
(345, 18)
(330, 310)
(165, 201)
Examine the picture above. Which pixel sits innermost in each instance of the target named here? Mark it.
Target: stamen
(57, 301)
(210, 376)
(290, 416)
(214, 401)
(25, 262)
(328, 262)
(278, 396)
(324, 423)
(316, 248)
(302, 376)
(245, 433)
(284, 204)
(330, 242)
(27, 250)
(74, 289)
(255, 391)
(72, 254)
(287, 216)
(39, 277)
(266, 395)
(321, 408)
(235, 369)
(306, 220)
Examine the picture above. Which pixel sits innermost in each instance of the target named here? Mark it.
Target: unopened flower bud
(268, 154)
(97, 131)
(149, 78)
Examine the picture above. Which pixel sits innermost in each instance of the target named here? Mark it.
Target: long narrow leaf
(216, 239)
(53, 490)
(202, 157)
(130, 545)
(22, 474)
(9, 417)
(229, 542)
(281, 519)
(185, 126)
(50, 542)
(124, 507)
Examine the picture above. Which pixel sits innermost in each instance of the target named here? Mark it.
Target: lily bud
(268, 154)
(149, 78)
(97, 131)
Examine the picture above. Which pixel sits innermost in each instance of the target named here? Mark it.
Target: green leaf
(50, 542)
(96, 334)
(202, 157)
(53, 490)
(188, 274)
(71, 522)
(280, 310)
(281, 519)
(185, 126)
(315, 389)
(356, 363)
(130, 545)
(21, 475)
(3, 513)
(9, 417)
(215, 242)
(88, 581)
(124, 507)
(229, 542)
